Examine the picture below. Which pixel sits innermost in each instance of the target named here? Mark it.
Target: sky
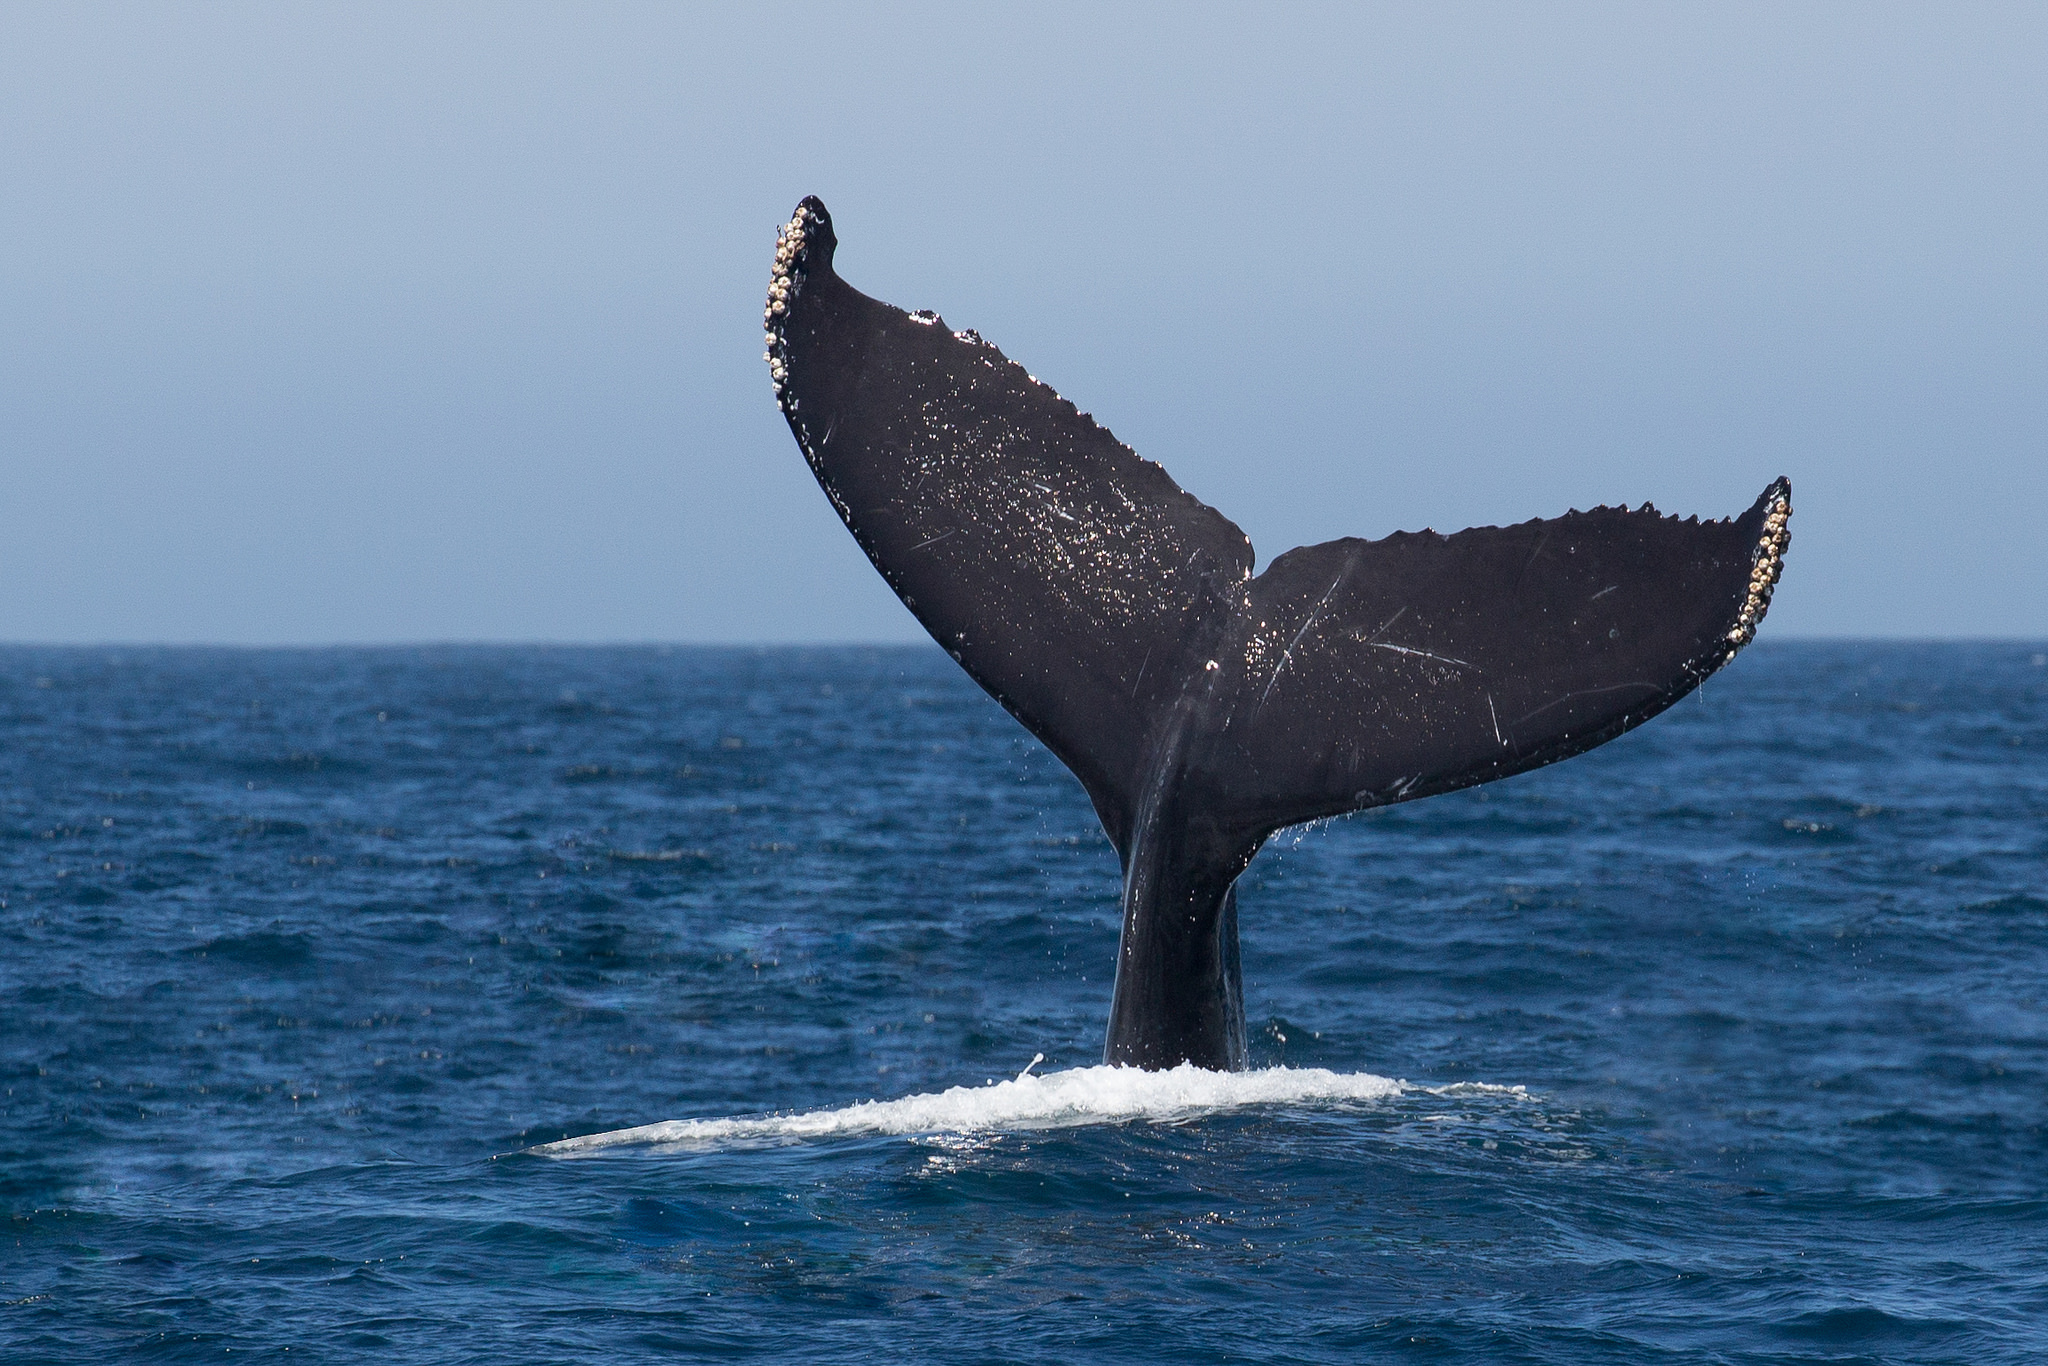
(416, 322)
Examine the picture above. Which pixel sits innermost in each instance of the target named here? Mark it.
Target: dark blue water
(301, 949)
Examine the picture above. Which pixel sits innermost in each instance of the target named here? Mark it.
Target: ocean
(522, 1004)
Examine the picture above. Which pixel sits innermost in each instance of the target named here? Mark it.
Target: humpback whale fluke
(1116, 616)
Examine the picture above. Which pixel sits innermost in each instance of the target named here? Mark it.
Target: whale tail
(1202, 708)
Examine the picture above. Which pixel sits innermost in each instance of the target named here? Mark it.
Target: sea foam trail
(1083, 1095)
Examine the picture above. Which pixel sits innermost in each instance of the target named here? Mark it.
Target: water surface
(1725, 1043)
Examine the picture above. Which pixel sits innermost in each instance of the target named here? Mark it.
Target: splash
(1082, 1095)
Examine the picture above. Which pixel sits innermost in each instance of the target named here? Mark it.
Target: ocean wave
(1081, 1095)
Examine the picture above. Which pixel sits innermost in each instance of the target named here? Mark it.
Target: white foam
(1083, 1095)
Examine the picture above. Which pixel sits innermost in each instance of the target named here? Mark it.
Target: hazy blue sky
(365, 323)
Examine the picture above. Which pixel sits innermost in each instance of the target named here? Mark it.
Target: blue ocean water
(1724, 1043)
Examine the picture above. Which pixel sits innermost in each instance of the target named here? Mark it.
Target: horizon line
(648, 643)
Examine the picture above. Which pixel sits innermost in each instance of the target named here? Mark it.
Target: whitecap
(1082, 1095)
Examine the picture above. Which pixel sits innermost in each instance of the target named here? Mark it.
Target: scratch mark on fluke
(1089, 566)
(1425, 654)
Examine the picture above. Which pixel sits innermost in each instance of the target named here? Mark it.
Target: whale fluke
(1116, 616)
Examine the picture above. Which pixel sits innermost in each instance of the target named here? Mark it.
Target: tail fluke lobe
(1377, 671)
(1069, 576)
